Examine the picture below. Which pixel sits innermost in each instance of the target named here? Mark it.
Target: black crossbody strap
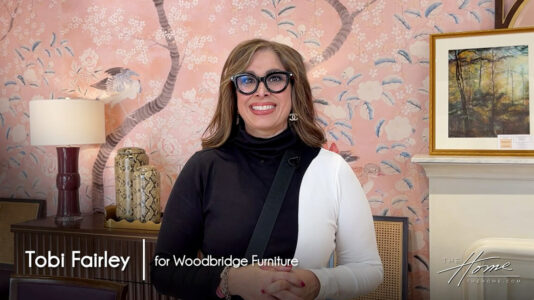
(269, 213)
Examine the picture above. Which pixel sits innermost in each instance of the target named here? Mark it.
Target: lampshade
(67, 122)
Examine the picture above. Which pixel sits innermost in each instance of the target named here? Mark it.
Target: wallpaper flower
(158, 67)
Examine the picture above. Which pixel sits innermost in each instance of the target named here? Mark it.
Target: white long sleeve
(334, 215)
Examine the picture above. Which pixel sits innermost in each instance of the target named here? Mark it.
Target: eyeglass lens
(275, 82)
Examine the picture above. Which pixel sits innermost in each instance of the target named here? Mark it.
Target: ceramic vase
(147, 194)
(126, 161)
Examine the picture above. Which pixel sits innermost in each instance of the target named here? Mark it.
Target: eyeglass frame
(233, 78)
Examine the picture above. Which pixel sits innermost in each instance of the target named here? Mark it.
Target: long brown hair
(221, 125)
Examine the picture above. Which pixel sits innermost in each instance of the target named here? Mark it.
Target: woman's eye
(275, 78)
(247, 80)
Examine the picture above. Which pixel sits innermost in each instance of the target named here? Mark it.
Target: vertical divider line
(144, 266)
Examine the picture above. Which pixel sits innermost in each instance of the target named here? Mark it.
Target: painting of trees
(488, 91)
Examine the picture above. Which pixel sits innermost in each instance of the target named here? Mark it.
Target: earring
(293, 117)
(237, 120)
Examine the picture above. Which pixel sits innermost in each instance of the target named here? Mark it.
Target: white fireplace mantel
(489, 167)
(473, 198)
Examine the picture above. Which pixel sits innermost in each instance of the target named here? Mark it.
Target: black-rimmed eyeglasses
(248, 83)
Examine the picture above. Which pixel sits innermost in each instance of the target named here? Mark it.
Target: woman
(265, 107)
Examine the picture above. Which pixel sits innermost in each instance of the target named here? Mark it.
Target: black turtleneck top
(215, 204)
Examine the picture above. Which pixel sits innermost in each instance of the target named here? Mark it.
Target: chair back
(392, 242)
(30, 287)
(14, 211)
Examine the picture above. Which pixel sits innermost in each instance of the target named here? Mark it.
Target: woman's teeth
(263, 107)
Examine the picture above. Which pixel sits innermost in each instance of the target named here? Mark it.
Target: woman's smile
(263, 108)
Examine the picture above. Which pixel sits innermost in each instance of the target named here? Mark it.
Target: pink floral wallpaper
(368, 65)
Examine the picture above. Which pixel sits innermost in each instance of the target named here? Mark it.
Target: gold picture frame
(450, 106)
(518, 15)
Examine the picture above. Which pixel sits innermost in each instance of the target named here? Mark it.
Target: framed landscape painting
(480, 90)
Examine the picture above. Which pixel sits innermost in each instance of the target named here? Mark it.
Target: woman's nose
(262, 89)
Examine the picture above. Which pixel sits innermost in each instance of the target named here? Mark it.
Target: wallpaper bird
(118, 85)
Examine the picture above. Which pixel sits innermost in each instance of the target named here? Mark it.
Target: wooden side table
(90, 238)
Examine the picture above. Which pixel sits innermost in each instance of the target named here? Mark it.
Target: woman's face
(265, 113)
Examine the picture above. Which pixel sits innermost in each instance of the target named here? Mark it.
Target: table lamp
(67, 123)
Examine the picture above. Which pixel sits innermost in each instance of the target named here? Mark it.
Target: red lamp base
(68, 183)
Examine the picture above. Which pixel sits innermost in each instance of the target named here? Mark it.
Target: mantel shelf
(477, 160)
(487, 167)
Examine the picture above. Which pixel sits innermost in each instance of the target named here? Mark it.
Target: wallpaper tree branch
(140, 114)
(12, 14)
(341, 36)
(368, 68)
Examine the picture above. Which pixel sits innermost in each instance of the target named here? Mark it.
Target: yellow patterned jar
(147, 191)
(126, 161)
